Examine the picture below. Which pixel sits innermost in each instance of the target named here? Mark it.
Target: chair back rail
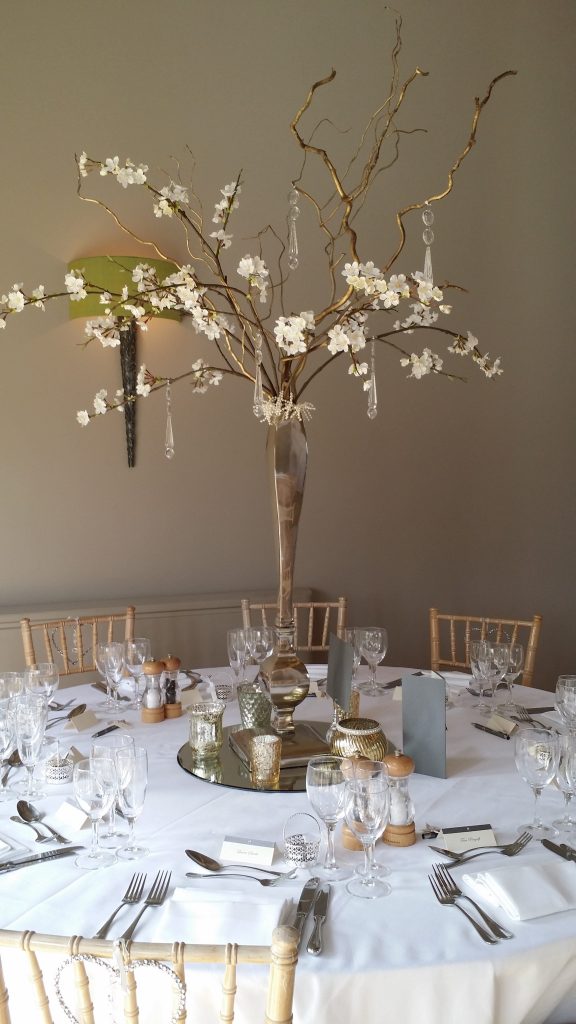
(313, 621)
(71, 643)
(450, 637)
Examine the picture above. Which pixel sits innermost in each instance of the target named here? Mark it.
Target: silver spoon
(214, 865)
(66, 718)
(55, 706)
(261, 881)
(14, 761)
(40, 838)
(29, 813)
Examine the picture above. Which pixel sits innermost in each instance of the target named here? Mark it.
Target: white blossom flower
(83, 417)
(398, 283)
(233, 189)
(136, 311)
(222, 237)
(100, 403)
(420, 365)
(37, 296)
(308, 317)
(290, 334)
(110, 166)
(2, 324)
(82, 162)
(445, 308)
(105, 330)
(105, 298)
(15, 300)
(75, 285)
(358, 369)
(339, 341)
(256, 273)
(172, 194)
(142, 387)
(204, 376)
(120, 397)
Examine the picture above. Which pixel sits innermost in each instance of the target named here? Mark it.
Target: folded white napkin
(527, 890)
(457, 678)
(218, 915)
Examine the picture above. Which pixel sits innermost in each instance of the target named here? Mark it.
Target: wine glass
(100, 663)
(566, 700)
(132, 776)
(237, 649)
(136, 652)
(372, 644)
(326, 790)
(489, 672)
(94, 791)
(112, 659)
(11, 686)
(260, 643)
(566, 784)
(367, 811)
(537, 754)
(102, 756)
(30, 714)
(513, 671)
(42, 680)
(7, 744)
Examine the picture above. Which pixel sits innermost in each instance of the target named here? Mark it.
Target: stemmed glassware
(326, 790)
(565, 782)
(95, 791)
(349, 635)
(367, 812)
(566, 700)
(372, 644)
(111, 659)
(132, 776)
(537, 754)
(237, 650)
(260, 643)
(512, 671)
(136, 652)
(102, 756)
(11, 686)
(7, 743)
(30, 713)
(485, 656)
(42, 680)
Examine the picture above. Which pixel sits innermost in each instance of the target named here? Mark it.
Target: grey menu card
(424, 722)
(340, 665)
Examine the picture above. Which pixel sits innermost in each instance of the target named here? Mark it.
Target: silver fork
(522, 714)
(450, 901)
(447, 883)
(133, 894)
(508, 850)
(230, 874)
(155, 898)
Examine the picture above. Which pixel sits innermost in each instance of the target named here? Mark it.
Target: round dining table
(401, 957)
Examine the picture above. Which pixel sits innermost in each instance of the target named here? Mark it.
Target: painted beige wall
(457, 495)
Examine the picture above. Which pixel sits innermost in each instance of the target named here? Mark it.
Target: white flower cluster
(349, 335)
(222, 211)
(367, 279)
(75, 285)
(172, 196)
(204, 376)
(420, 365)
(126, 174)
(291, 332)
(256, 273)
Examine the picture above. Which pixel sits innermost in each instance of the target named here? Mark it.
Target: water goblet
(112, 659)
(94, 791)
(260, 644)
(566, 700)
(100, 663)
(7, 744)
(326, 790)
(367, 812)
(372, 644)
(566, 784)
(136, 652)
(132, 778)
(30, 713)
(237, 650)
(42, 680)
(102, 756)
(511, 674)
(11, 686)
(537, 753)
(489, 673)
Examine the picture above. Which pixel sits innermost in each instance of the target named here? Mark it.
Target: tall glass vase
(283, 673)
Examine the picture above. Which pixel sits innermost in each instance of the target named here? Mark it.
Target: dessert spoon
(66, 718)
(30, 814)
(209, 864)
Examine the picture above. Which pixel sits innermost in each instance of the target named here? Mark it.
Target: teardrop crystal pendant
(169, 440)
(293, 214)
(372, 396)
(258, 393)
(428, 238)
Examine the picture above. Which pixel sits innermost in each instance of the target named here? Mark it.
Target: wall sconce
(111, 274)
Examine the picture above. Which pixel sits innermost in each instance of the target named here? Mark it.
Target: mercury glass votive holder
(206, 729)
(265, 752)
(255, 706)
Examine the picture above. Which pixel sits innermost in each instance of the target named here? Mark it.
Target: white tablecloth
(400, 958)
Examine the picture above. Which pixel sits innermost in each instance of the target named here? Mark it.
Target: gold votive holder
(206, 737)
(359, 736)
(265, 753)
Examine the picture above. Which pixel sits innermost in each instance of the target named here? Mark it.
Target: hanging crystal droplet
(428, 238)
(258, 392)
(169, 440)
(293, 214)
(428, 276)
(372, 395)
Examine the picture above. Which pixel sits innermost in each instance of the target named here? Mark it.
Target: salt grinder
(153, 699)
(400, 830)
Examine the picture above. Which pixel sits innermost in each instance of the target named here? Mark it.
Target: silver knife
(102, 732)
(305, 903)
(562, 850)
(320, 908)
(35, 858)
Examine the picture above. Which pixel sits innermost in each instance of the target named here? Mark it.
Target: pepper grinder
(153, 699)
(172, 693)
(400, 830)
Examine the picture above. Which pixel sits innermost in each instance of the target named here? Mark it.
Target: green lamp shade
(111, 273)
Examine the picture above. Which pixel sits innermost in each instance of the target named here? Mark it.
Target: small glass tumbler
(265, 752)
(206, 729)
(302, 839)
(255, 706)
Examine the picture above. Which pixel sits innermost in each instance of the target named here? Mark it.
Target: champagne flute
(237, 652)
(489, 671)
(94, 791)
(566, 784)
(132, 774)
(260, 643)
(566, 700)
(136, 652)
(372, 644)
(102, 756)
(113, 662)
(537, 754)
(11, 686)
(367, 812)
(326, 790)
(7, 744)
(30, 713)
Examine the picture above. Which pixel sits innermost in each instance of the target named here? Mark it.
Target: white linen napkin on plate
(196, 915)
(457, 678)
(527, 890)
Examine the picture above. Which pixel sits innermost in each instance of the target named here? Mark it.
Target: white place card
(248, 851)
(501, 724)
(467, 837)
(87, 720)
(190, 697)
(69, 816)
